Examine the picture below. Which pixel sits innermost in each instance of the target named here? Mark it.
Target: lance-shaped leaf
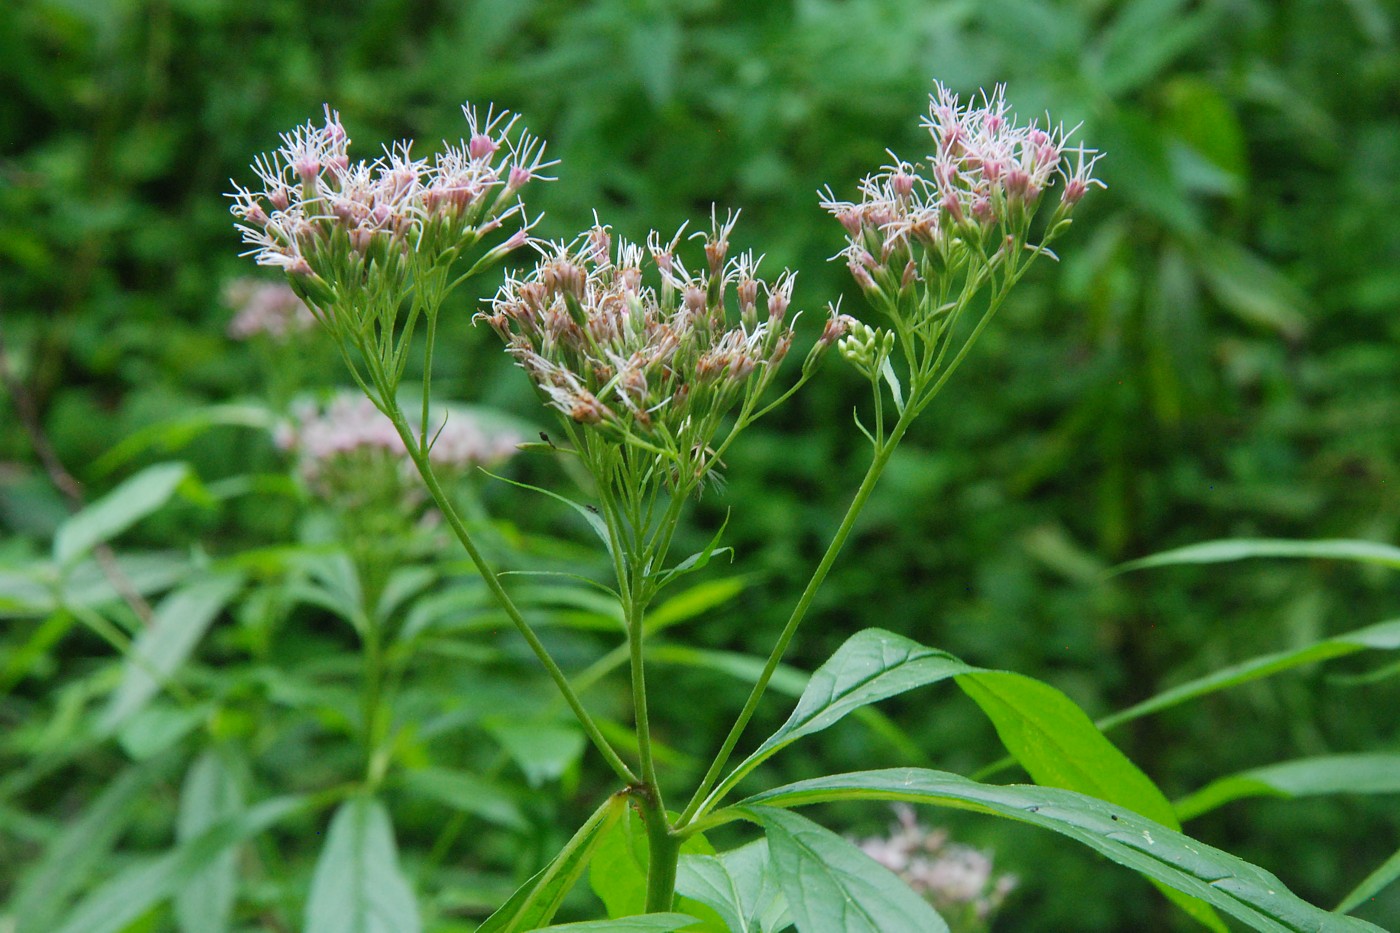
(357, 886)
(211, 793)
(739, 885)
(1219, 552)
(872, 665)
(1383, 636)
(642, 923)
(1237, 887)
(180, 621)
(536, 901)
(114, 906)
(1305, 777)
(831, 886)
(117, 511)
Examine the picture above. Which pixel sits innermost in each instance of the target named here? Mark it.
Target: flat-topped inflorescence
(968, 208)
(656, 365)
(342, 229)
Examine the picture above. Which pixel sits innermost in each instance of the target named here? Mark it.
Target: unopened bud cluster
(656, 360)
(342, 228)
(970, 204)
(866, 348)
(958, 880)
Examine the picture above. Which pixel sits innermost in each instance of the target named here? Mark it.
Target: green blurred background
(1217, 354)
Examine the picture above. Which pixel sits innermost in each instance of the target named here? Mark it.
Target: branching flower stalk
(654, 367)
(929, 244)
(652, 378)
(373, 247)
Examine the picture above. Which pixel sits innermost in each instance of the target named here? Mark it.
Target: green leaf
(1059, 746)
(158, 727)
(1231, 549)
(1373, 884)
(590, 514)
(831, 886)
(115, 905)
(872, 665)
(357, 886)
(71, 856)
(211, 793)
(180, 621)
(694, 601)
(1245, 891)
(699, 560)
(739, 886)
(543, 748)
(618, 873)
(1373, 773)
(536, 901)
(468, 793)
(117, 511)
(644, 923)
(1383, 636)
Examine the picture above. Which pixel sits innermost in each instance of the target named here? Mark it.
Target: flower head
(971, 201)
(347, 448)
(337, 225)
(656, 360)
(957, 879)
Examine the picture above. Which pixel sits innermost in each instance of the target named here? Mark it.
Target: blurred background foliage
(1217, 355)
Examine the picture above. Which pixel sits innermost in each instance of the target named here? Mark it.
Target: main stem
(488, 574)
(883, 452)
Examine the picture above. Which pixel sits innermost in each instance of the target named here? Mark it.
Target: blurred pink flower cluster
(979, 188)
(957, 879)
(349, 435)
(268, 309)
(317, 214)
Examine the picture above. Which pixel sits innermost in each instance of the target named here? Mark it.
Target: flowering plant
(652, 375)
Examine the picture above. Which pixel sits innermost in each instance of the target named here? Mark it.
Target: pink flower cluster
(350, 433)
(315, 212)
(956, 879)
(269, 309)
(980, 186)
(662, 361)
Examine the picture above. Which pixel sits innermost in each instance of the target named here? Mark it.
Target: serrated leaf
(117, 511)
(831, 886)
(180, 621)
(357, 886)
(1231, 884)
(1373, 773)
